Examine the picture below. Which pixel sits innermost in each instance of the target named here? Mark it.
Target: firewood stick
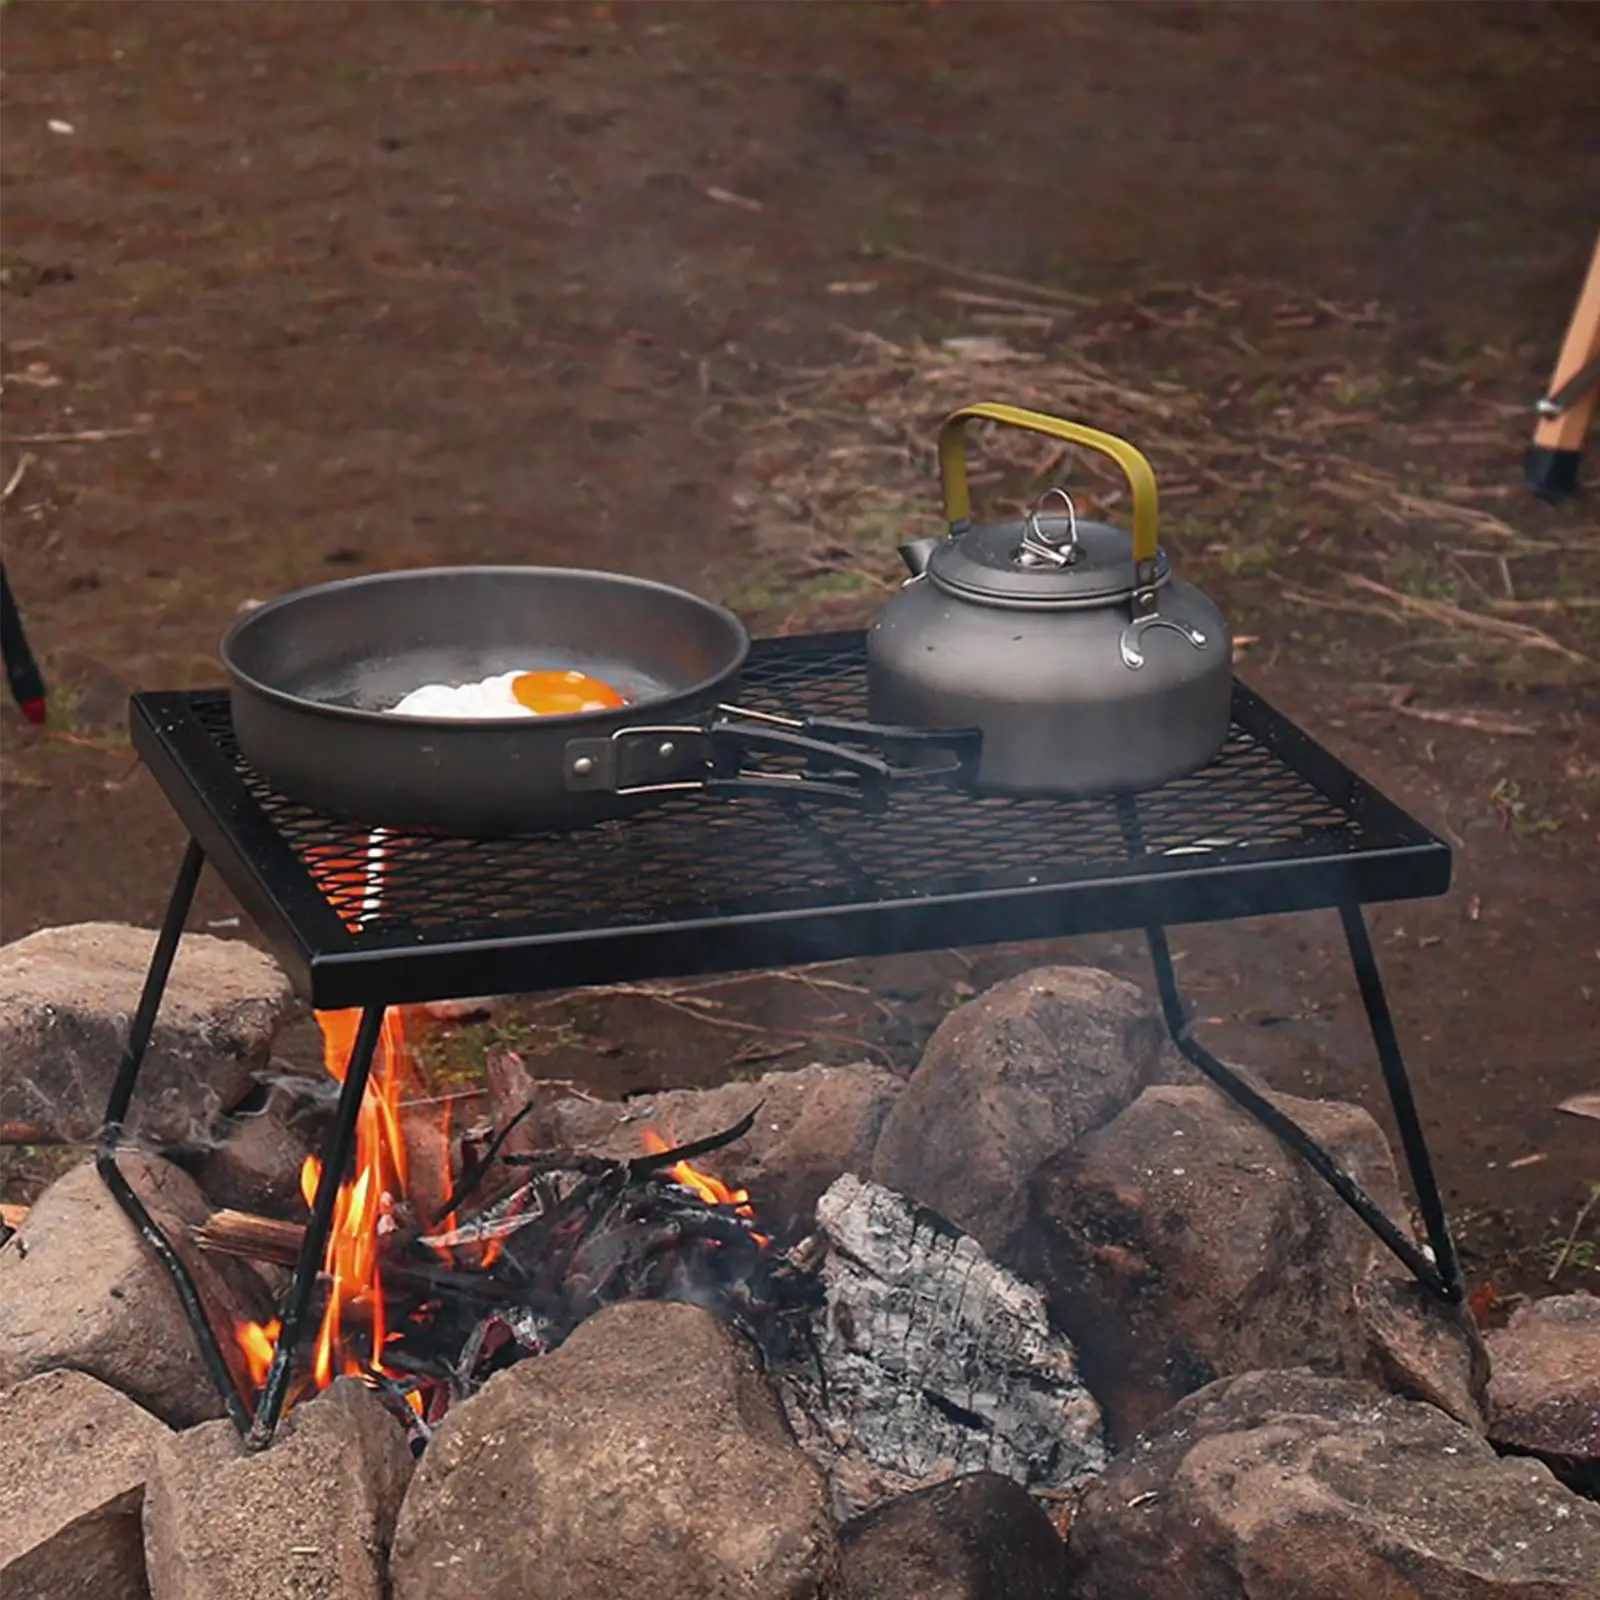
(256, 1238)
(241, 1233)
(31, 1133)
(14, 1216)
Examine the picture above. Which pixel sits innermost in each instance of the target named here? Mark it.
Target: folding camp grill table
(698, 884)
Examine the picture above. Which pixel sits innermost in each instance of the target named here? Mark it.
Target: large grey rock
(1273, 1485)
(1183, 1242)
(1544, 1396)
(812, 1126)
(1007, 1081)
(73, 1460)
(647, 1455)
(79, 1288)
(67, 996)
(981, 1537)
(310, 1518)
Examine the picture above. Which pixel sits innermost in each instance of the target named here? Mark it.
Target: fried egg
(511, 694)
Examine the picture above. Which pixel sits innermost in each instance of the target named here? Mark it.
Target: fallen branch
(14, 482)
(1311, 600)
(995, 280)
(1572, 1237)
(1442, 611)
(1490, 722)
(1550, 607)
(84, 436)
(1466, 516)
(998, 302)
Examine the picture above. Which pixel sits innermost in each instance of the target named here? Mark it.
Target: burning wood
(457, 1297)
(903, 1352)
(242, 1233)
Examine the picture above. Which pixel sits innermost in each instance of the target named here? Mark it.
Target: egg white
(489, 697)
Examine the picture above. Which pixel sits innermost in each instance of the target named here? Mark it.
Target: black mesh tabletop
(700, 883)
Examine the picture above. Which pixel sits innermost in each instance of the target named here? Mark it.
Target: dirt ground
(322, 289)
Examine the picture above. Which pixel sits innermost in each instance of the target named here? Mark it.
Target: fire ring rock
(646, 1456)
(74, 1456)
(1544, 1396)
(1182, 1242)
(67, 996)
(1008, 1080)
(1278, 1484)
(978, 1537)
(310, 1517)
(79, 1288)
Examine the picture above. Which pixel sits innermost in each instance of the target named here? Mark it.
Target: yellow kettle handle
(953, 465)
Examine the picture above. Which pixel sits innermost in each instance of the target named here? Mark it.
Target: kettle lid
(1041, 560)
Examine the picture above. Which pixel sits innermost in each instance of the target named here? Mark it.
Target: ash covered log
(933, 1361)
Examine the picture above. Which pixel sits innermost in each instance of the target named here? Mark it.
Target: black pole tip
(1551, 474)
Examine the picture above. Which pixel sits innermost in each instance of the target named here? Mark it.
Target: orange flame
(363, 1211)
(258, 1340)
(364, 1205)
(710, 1189)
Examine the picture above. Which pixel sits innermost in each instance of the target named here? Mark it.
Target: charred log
(934, 1361)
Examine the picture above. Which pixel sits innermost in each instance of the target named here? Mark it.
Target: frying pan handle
(714, 756)
(953, 466)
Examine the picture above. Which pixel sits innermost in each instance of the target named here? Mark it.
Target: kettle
(1086, 664)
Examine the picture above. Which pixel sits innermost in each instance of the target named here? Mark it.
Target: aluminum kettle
(1088, 666)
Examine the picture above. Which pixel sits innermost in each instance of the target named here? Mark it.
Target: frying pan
(312, 674)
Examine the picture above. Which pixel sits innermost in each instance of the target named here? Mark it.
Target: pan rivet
(667, 750)
(583, 766)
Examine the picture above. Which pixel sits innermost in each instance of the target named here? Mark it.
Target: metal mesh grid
(696, 856)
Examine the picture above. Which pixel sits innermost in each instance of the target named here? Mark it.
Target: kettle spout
(916, 555)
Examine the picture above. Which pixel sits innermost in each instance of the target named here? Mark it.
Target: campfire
(424, 1302)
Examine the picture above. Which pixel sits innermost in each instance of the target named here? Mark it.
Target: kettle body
(1086, 664)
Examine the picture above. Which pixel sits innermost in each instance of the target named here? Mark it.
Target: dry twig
(83, 436)
(1550, 606)
(14, 482)
(1572, 1237)
(995, 280)
(1442, 611)
(1490, 722)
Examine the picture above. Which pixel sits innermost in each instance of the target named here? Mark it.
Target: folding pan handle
(715, 756)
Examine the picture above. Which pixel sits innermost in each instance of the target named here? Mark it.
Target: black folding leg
(1426, 1187)
(144, 1021)
(1442, 1279)
(336, 1155)
(1442, 1274)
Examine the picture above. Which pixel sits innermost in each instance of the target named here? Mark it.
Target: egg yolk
(555, 694)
